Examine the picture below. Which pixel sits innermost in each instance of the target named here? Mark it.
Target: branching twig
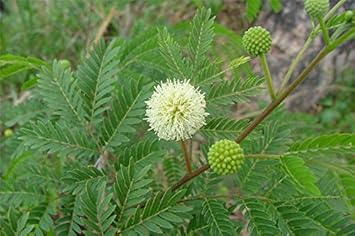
(306, 45)
(190, 176)
(105, 24)
(263, 115)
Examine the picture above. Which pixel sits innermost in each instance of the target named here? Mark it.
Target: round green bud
(65, 63)
(316, 8)
(257, 41)
(8, 132)
(349, 16)
(225, 157)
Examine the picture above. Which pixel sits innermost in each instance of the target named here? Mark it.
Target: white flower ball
(176, 110)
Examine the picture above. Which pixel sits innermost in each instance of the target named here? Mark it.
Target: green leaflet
(300, 173)
(158, 215)
(233, 91)
(221, 127)
(260, 222)
(325, 144)
(217, 218)
(77, 179)
(201, 37)
(16, 224)
(130, 109)
(12, 64)
(98, 213)
(96, 81)
(131, 189)
(47, 137)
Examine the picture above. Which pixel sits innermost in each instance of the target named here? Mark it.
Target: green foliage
(143, 153)
(254, 174)
(42, 214)
(300, 173)
(56, 86)
(177, 65)
(70, 223)
(201, 37)
(11, 64)
(76, 180)
(159, 214)
(222, 127)
(120, 121)
(254, 7)
(330, 220)
(95, 78)
(97, 211)
(259, 221)
(16, 225)
(172, 169)
(48, 137)
(217, 218)
(130, 187)
(274, 137)
(324, 145)
(78, 157)
(229, 92)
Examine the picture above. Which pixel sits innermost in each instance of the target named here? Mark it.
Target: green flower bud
(225, 157)
(257, 41)
(65, 63)
(8, 132)
(316, 8)
(349, 15)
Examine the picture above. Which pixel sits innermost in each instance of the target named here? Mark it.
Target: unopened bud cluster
(316, 8)
(225, 157)
(257, 41)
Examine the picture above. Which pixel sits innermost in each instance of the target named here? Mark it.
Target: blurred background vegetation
(64, 29)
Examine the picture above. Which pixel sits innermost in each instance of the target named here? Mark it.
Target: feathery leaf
(221, 127)
(201, 36)
(159, 214)
(217, 217)
(300, 173)
(131, 188)
(127, 110)
(324, 145)
(52, 138)
(61, 93)
(236, 90)
(95, 79)
(76, 180)
(97, 211)
(171, 52)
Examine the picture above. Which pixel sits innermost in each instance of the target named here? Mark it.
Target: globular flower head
(257, 40)
(176, 110)
(316, 8)
(350, 16)
(8, 132)
(225, 157)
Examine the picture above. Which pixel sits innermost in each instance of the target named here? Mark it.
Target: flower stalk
(267, 75)
(324, 31)
(263, 115)
(186, 156)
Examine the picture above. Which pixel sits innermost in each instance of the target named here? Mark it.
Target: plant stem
(323, 53)
(306, 45)
(267, 75)
(262, 116)
(346, 36)
(190, 176)
(324, 31)
(282, 96)
(186, 156)
(264, 156)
